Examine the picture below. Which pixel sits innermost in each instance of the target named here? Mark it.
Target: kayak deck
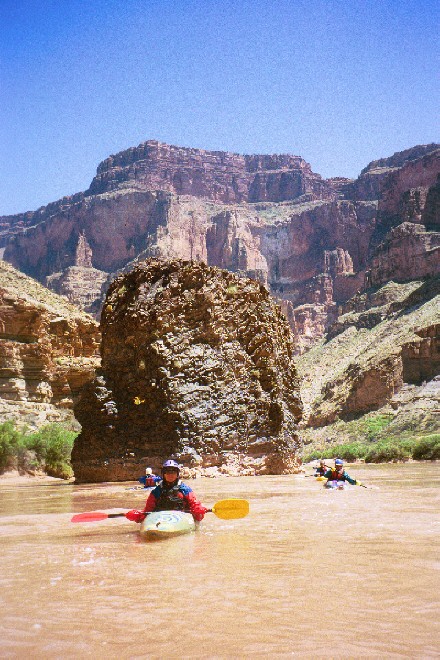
(163, 524)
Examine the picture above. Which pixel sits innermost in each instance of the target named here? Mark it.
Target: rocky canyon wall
(48, 351)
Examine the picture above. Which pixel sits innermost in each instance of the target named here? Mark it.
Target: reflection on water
(309, 573)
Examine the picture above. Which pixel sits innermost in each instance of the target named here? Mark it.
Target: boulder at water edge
(196, 364)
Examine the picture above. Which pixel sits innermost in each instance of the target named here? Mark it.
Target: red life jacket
(337, 476)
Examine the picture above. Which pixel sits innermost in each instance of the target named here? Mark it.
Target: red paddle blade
(91, 516)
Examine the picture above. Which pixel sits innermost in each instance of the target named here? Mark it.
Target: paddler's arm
(351, 481)
(195, 507)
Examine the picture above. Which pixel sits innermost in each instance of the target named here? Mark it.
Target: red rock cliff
(266, 217)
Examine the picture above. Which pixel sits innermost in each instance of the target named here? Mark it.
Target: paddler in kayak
(321, 469)
(338, 475)
(149, 480)
(171, 494)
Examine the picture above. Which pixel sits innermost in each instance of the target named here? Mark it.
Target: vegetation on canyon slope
(385, 449)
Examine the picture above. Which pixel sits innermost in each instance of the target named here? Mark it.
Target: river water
(308, 573)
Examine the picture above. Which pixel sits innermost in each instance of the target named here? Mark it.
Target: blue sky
(339, 83)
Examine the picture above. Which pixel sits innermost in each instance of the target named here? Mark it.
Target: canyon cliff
(314, 242)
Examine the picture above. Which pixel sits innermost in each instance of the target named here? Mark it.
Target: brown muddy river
(308, 573)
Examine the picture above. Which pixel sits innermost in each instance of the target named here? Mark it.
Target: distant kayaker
(321, 469)
(149, 480)
(171, 494)
(339, 474)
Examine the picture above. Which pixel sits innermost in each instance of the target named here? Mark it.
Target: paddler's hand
(135, 516)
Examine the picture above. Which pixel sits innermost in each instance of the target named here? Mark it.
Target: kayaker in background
(149, 480)
(171, 494)
(321, 469)
(338, 474)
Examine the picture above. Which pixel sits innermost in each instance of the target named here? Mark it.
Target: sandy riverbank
(13, 477)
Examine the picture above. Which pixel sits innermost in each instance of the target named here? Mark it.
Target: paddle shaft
(118, 515)
(115, 515)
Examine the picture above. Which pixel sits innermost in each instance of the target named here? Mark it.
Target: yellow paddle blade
(229, 509)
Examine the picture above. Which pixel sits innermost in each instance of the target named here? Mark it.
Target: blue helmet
(171, 464)
(339, 461)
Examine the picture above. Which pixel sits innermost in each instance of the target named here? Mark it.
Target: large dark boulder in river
(196, 363)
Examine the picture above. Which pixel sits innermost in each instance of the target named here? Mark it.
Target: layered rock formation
(48, 350)
(387, 338)
(315, 243)
(409, 252)
(81, 283)
(196, 363)
(217, 175)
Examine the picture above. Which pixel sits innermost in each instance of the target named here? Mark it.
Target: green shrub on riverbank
(390, 451)
(349, 452)
(387, 450)
(428, 448)
(11, 442)
(47, 450)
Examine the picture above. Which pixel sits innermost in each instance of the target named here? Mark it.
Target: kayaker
(339, 474)
(321, 469)
(171, 494)
(149, 480)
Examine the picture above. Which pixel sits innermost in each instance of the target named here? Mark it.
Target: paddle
(94, 516)
(230, 509)
(225, 509)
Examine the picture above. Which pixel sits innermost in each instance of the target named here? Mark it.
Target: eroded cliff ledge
(48, 350)
(217, 175)
(196, 363)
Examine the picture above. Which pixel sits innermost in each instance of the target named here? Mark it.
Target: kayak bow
(163, 524)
